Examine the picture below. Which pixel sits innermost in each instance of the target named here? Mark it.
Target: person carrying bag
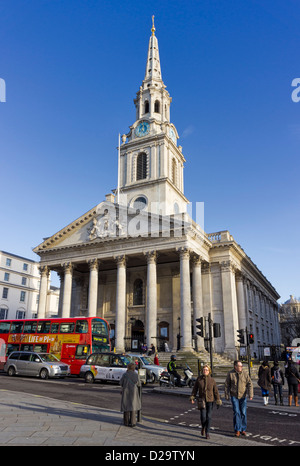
(208, 393)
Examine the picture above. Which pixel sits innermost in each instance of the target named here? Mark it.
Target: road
(276, 425)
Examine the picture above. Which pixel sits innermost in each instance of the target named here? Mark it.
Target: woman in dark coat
(208, 393)
(264, 381)
(277, 381)
(292, 376)
(131, 401)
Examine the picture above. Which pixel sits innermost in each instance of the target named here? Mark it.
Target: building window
(141, 166)
(22, 296)
(138, 292)
(25, 267)
(8, 262)
(3, 314)
(6, 277)
(24, 281)
(157, 106)
(174, 171)
(146, 106)
(5, 293)
(20, 315)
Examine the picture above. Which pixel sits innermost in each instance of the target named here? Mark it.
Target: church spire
(153, 71)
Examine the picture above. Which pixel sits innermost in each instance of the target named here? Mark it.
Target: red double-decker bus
(71, 340)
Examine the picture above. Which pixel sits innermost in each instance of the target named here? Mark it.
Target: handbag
(201, 403)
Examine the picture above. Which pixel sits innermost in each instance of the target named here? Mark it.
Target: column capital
(196, 259)
(151, 257)
(120, 260)
(44, 270)
(93, 264)
(68, 267)
(184, 252)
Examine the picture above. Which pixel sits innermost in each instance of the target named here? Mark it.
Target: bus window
(54, 327)
(30, 327)
(4, 327)
(82, 351)
(99, 327)
(67, 327)
(26, 347)
(16, 327)
(10, 348)
(43, 326)
(40, 348)
(82, 326)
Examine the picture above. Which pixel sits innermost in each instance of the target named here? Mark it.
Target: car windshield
(46, 357)
(146, 361)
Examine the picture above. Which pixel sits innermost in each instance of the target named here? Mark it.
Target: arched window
(174, 171)
(157, 106)
(146, 106)
(141, 166)
(138, 292)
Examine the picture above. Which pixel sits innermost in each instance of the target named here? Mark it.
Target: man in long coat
(131, 402)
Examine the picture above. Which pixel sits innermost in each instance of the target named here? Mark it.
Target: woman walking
(277, 382)
(208, 393)
(264, 381)
(131, 401)
(292, 376)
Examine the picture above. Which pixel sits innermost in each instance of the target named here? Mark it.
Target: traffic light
(217, 330)
(200, 326)
(241, 336)
(250, 338)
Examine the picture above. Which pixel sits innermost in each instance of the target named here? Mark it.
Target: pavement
(28, 419)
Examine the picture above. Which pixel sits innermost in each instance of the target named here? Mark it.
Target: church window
(141, 166)
(157, 106)
(146, 106)
(138, 292)
(174, 170)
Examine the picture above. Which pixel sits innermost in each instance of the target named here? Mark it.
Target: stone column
(241, 303)
(44, 271)
(197, 299)
(185, 300)
(151, 315)
(66, 303)
(229, 308)
(120, 304)
(93, 288)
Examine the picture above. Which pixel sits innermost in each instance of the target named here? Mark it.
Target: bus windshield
(99, 328)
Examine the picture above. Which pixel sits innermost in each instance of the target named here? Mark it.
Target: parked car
(104, 367)
(41, 365)
(152, 370)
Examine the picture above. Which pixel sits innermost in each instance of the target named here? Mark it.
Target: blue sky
(72, 69)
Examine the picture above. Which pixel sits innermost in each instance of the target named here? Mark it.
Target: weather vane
(153, 28)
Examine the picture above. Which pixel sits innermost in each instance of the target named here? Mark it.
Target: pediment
(108, 221)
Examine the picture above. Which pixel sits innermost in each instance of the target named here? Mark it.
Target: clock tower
(151, 163)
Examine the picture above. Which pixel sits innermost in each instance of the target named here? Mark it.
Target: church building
(140, 261)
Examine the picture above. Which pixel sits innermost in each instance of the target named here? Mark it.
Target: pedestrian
(292, 376)
(207, 388)
(264, 380)
(237, 386)
(151, 350)
(131, 401)
(277, 382)
(156, 361)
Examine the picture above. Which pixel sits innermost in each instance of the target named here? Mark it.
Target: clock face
(172, 135)
(142, 129)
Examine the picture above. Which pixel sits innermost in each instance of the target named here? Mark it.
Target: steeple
(152, 99)
(153, 71)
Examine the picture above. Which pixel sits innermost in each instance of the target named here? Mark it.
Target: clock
(142, 129)
(172, 135)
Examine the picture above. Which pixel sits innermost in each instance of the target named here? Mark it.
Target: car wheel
(44, 374)
(11, 371)
(89, 377)
(152, 378)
